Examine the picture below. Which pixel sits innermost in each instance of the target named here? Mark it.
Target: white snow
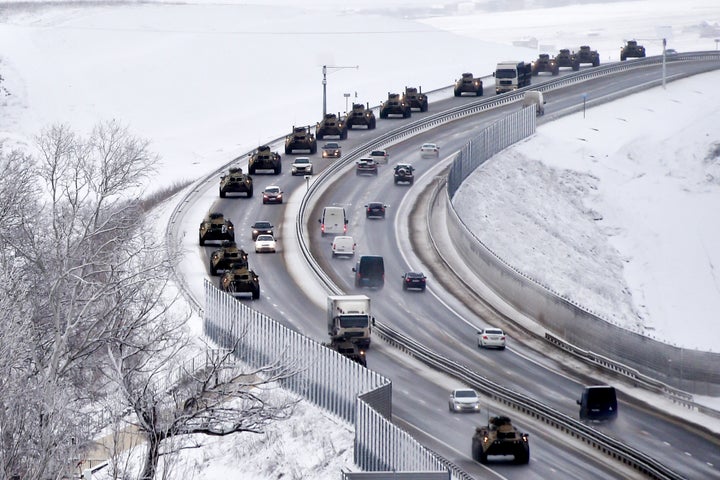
(207, 81)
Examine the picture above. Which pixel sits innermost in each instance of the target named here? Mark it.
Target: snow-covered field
(206, 81)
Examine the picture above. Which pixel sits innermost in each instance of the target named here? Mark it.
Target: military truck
(566, 59)
(511, 75)
(240, 279)
(395, 105)
(361, 115)
(331, 124)
(500, 437)
(264, 159)
(404, 173)
(585, 55)
(545, 64)
(348, 349)
(632, 49)
(416, 99)
(228, 254)
(300, 139)
(468, 84)
(216, 227)
(236, 182)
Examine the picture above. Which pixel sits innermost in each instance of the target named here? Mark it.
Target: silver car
(464, 400)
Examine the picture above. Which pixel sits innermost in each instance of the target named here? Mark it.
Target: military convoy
(500, 437)
(300, 139)
(216, 227)
(395, 105)
(468, 84)
(416, 99)
(236, 182)
(361, 115)
(240, 279)
(331, 124)
(228, 254)
(566, 59)
(632, 49)
(545, 64)
(586, 55)
(264, 159)
(348, 349)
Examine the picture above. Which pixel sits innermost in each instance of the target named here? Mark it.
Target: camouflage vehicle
(300, 139)
(545, 64)
(566, 59)
(632, 49)
(349, 349)
(500, 437)
(361, 115)
(395, 105)
(236, 182)
(585, 55)
(228, 254)
(416, 99)
(404, 173)
(239, 279)
(331, 124)
(264, 159)
(216, 227)
(468, 84)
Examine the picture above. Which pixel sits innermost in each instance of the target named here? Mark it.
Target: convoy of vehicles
(632, 49)
(300, 139)
(264, 159)
(416, 99)
(511, 75)
(545, 64)
(332, 125)
(349, 318)
(236, 182)
(468, 84)
(361, 116)
(216, 227)
(239, 279)
(228, 254)
(500, 437)
(395, 105)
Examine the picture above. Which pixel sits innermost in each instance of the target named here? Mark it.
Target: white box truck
(349, 318)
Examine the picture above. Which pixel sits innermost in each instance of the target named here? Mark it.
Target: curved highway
(446, 321)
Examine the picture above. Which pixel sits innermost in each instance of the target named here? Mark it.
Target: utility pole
(324, 83)
(663, 63)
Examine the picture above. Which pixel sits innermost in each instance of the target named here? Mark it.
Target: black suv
(375, 210)
(414, 280)
(404, 173)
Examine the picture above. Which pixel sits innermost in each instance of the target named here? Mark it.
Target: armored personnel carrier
(500, 437)
(632, 49)
(228, 254)
(331, 124)
(468, 84)
(348, 349)
(585, 55)
(264, 159)
(566, 59)
(300, 139)
(395, 105)
(545, 64)
(361, 116)
(216, 227)
(236, 182)
(416, 99)
(239, 279)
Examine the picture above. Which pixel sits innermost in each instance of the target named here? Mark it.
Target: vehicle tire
(424, 108)
(251, 170)
(222, 194)
(256, 293)
(475, 451)
(202, 240)
(250, 192)
(288, 150)
(343, 135)
(482, 457)
(622, 58)
(319, 135)
(407, 114)
(383, 114)
(479, 93)
(313, 148)
(278, 169)
(576, 67)
(311, 172)
(458, 93)
(502, 348)
(213, 270)
(372, 124)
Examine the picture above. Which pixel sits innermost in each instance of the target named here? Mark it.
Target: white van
(533, 97)
(333, 221)
(343, 245)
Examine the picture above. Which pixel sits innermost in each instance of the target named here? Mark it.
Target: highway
(445, 317)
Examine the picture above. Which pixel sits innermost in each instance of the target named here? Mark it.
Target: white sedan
(429, 150)
(464, 400)
(265, 243)
(491, 337)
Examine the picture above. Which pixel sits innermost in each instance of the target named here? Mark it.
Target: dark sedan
(414, 280)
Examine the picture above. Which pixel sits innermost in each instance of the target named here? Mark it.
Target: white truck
(349, 318)
(511, 75)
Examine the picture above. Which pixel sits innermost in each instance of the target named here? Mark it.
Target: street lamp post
(324, 83)
(663, 62)
(346, 95)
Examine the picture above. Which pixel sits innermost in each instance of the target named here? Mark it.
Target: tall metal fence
(324, 377)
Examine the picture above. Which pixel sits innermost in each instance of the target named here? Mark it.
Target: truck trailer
(349, 318)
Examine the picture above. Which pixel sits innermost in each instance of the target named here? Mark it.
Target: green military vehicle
(264, 159)
(566, 59)
(331, 124)
(236, 182)
(239, 279)
(545, 64)
(228, 254)
(500, 437)
(361, 115)
(632, 49)
(468, 84)
(216, 227)
(301, 139)
(416, 99)
(586, 55)
(395, 105)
